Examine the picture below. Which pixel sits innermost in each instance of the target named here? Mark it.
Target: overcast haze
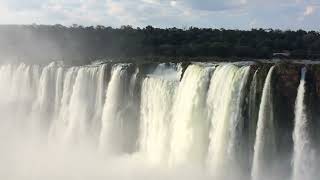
(235, 14)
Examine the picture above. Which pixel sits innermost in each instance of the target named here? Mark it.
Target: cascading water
(44, 106)
(82, 105)
(304, 158)
(225, 102)
(112, 138)
(189, 137)
(254, 100)
(132, 121)
(78, 105)
(156, 106)
(118, 116)
(265, 145)
(99, 100)
(19, 89)
(60, 124)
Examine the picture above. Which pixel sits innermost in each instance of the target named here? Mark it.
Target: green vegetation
(82, 44)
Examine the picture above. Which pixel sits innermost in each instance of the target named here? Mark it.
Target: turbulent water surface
(165, 121)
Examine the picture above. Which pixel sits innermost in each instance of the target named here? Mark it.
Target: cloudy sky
(235, 14)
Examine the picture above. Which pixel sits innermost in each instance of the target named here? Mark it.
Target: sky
(229, 14)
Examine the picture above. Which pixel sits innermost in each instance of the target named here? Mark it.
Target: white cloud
(161, 13)
(151, 1)
(114, 8)
(173, 3)
(309, 10)
(215, 5)
(253, 23)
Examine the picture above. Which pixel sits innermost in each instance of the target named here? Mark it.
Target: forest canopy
(84, 44)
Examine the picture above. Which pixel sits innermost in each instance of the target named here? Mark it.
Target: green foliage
(82, 44)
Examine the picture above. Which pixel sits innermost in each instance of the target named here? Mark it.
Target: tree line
(84, 44)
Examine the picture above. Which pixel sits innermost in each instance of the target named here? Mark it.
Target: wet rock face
(285, 83)
(313, 99)
(285, 80)
(315, 73)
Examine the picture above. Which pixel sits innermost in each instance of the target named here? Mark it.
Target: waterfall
(58, 91)
(254, 100)
(156, 105)
(189, 139)
(203, 120)
(19, 88)
(225, 100)
(82, 105)
(304, 155)
(99, 100)
(43, 107)
(265, 147)
(78, 104)
(61, 122)
(112, 138)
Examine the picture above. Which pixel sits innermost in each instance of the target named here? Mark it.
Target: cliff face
(312, 99)
(315, 73)
(286, 80)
